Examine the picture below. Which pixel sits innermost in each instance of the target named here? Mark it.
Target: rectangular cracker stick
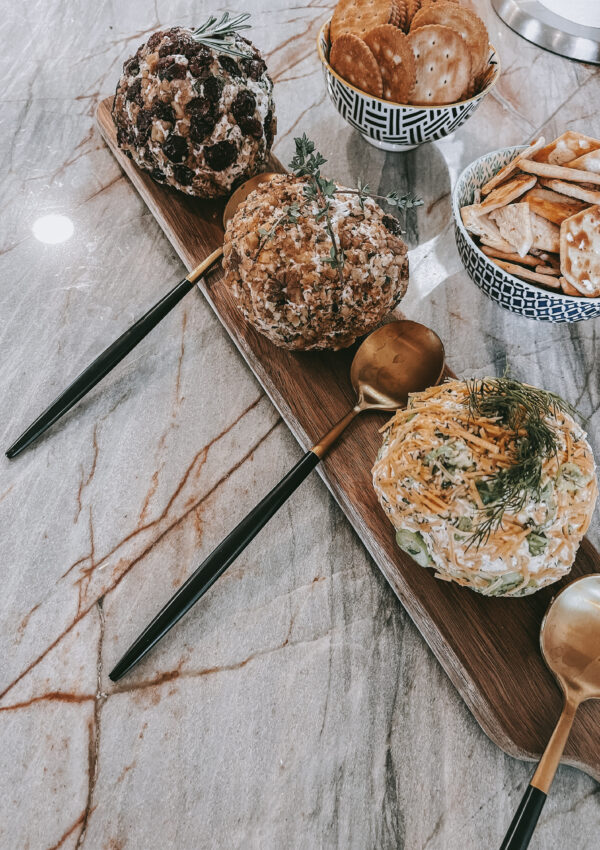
(511, 257)
(542, 169)
(528, 275)
(572, 190)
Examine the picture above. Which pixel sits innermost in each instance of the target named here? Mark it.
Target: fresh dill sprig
(220, 34)
(524, 411)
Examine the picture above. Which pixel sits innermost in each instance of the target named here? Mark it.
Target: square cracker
(551, 205)
(514, 224)
(588, 162)
(512, 166)
(566, 148)
(580, 251)
(507, 192)
(546, 235)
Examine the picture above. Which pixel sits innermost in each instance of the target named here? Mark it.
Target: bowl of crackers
(527, 226)
(405, 72)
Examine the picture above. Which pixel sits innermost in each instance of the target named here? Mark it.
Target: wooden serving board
(488, 647)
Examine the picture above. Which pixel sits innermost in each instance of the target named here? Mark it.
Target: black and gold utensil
(570, 643)
(393, 361)
(115, 352)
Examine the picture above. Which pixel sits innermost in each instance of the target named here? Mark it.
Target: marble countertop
(297, 706)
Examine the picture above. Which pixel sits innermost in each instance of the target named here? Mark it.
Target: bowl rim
(560, 296)
(393, 103)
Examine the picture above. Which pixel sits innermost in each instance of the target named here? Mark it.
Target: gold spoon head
(570, 638)
(242, 192)
(397, 359)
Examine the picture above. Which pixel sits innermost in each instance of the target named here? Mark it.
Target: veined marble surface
(297, 706)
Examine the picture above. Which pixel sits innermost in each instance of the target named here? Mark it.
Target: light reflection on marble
(297, 706)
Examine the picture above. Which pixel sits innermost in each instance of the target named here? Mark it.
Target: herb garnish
(307, 163)
(220, 35)
(523, 410)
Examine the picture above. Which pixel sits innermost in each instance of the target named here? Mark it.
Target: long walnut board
(488, 647)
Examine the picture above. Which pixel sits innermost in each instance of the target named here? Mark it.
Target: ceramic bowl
(510, 292)
(394, 126)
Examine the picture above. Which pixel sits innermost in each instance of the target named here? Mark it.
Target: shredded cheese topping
(430, 476)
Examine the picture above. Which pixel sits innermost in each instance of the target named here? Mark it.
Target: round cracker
(353, 61)
(442, 63)
(402, 14)
(464, 22)
(412, 7)
(394, 56)
(360, 17)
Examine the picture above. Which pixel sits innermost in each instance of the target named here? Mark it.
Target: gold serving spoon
(395, 360)
(570, 642)
(115, 352)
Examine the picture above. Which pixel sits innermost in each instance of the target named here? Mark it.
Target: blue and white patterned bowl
(394, 126)
(510, 292)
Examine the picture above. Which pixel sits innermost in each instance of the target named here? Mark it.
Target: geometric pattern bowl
(509, 291)
(394, 126)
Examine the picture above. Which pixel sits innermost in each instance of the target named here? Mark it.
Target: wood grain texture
(488, 647)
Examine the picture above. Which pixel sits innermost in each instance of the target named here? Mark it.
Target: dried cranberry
(183, 174)
(157, 175)
(392, 224)
(199, 106)
(166, 49)
(243, 105)
(169, 70)
(123, 137)
(144, 125)
(221, 155)
(251, 127)
(154, 40)
(201, 126)
(131, 67)
(175, 148)
(164, 112)
(134, 92)
(229, 64)
(254, 68)
(200, 64)
(269, 126)
(213, 87)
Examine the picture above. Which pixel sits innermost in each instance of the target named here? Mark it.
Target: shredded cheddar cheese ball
(433, 479)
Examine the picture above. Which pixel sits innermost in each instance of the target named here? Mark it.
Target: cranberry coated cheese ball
(278, 271)
(195, 117)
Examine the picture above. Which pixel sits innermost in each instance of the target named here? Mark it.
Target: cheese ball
(279, 270)
(436, 479)
(195, 118)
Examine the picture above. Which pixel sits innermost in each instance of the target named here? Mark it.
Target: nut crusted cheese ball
(277, 269)
(434, 478)
(196, 119)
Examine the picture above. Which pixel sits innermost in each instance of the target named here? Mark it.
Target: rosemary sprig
(220, 35)
(524, 411)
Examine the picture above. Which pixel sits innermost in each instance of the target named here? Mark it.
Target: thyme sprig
(524, 411)
(404, 202)
(220, 34)
(318, 190)
(289, 215)
(307, 163)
